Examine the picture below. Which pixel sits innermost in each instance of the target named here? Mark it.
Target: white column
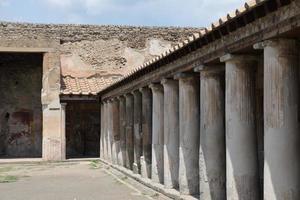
(157, 133)
(281, 117)
(171, 133)
(189, 112)
(241, 139)
(212, 160)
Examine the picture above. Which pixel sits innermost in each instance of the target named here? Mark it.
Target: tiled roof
(84, 85)
(249, 5)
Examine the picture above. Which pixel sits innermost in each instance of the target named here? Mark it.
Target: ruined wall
(82, 129)
(106, 50)
(20, 105)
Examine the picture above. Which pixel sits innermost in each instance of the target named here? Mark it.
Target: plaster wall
(20, 105)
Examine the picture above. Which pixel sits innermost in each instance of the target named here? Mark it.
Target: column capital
(167, 81)
(127, 95)
(135, 92)
(239, 57)
(213, 69)
(144, 89)
(121, 97)
(156, 87)
(274, 43)
(185, 75)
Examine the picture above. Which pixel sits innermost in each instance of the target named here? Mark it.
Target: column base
(136, 168)
(145, 168)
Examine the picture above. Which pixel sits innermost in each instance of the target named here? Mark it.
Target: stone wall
(106, 50)
(20, 105)
(82, 51)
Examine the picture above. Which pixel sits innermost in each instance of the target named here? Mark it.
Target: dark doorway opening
(83, 129)
(20, 105)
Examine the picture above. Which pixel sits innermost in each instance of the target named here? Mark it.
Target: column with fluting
(157, 133)
(171, 133)
(129, 131)
(116, 131)
(138, 140)
(189, 136)
(212, 158)
(241, 138)
(281, 117)
(146, 159)
(122, 126)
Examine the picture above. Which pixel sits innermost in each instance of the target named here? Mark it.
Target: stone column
(147, 132)
(116, 131)
(63, 131)
(212, 160)
(281, 110)
(241, 139)
(109, 131)
(138, 140)
(122, 121)
(157, 133)
(129, 131)
(189, 133)
(171, 133)
(101, 130)
(105, 152)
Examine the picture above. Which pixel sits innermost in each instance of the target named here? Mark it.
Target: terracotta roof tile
(84, 86)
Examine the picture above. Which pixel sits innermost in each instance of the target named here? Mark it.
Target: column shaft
(116, 132)
(129, 131)
(241, 138)
(102, 131)
(171, 133)
(212, 136)
(189, 134)
(157, 133)
(281, 114)
(138, 140)
(122, 121)
(105, 143)
(147, 132)
(109, 131)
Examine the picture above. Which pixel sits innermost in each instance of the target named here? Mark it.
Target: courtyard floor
(75, 180)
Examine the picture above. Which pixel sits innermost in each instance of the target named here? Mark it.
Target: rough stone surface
(107, 50)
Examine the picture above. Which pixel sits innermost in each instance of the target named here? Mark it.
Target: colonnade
(199, 131)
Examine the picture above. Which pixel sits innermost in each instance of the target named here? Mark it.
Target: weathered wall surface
(107, 50)
(83, 129)
(82, 51)
(20, 105)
